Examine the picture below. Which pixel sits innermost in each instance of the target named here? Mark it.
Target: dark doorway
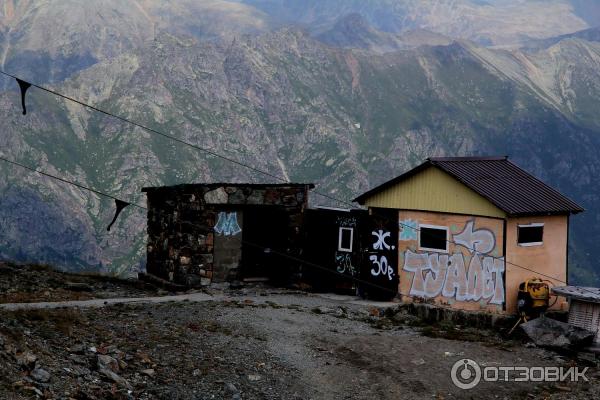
(332, 249)
(265, 243)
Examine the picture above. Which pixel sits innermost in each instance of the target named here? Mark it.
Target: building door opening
(379, 269)
(265, 243)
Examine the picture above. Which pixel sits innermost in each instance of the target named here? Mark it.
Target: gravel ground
(258, 344)
(36, 283)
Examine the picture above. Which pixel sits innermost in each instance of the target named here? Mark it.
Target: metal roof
(589, 294)
(497, 179)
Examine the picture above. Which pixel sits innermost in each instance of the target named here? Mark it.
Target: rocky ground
(254, 344)
(245, 343)
(37, 283)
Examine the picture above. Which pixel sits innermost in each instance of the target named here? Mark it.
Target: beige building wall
(549, 258)
(468, 275)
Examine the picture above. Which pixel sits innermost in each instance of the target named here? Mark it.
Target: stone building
(200, 233)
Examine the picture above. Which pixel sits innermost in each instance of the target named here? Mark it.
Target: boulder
(547, 332)
(122, 382)
(107, 362)
(40, 375)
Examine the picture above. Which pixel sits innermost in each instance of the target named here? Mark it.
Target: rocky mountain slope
(488, 22)
(591, 35)
(52, 39)
(294, 105)
(285, 103)
(354, 32)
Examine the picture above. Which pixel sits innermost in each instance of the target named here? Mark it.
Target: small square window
(433, 238)
(346, 236)
(530, 235)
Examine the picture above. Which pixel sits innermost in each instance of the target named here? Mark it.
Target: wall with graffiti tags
(453, 260)
(379, 272)
(333, 249)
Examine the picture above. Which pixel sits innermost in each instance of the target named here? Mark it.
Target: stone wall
(182, 221)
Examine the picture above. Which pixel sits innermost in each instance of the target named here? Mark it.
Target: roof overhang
(589, 294)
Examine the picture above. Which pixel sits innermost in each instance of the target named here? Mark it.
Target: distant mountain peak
(590, 35)
(354, 21)
(354, 31)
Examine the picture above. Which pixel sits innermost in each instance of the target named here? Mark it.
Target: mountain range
(346, 94)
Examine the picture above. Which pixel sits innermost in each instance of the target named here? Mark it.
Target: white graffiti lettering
(480, 240)
(380, 244)
(439, 274)
(456, 279)
(382, 267)
(346, 221)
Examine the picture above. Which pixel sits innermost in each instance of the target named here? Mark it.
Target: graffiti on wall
(343, 257)
(408, 230)
(227, 224)
(347, 222)
(381, 267)
(481, 240)
(380, 262)
(343, 263)
(380, 242)
(468, 274)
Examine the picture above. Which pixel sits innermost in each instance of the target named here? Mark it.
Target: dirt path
(95, 303)
(249, 346)
(188, 297)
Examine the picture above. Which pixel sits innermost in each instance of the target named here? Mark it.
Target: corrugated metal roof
(590, 294)
(503, 183)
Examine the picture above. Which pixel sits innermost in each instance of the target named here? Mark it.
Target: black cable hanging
(23, 85)
(120, 205)
(212, 153)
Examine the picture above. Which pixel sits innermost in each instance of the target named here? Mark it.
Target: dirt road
(276, 346)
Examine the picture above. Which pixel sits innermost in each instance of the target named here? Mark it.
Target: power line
(239, 163)
(78, 185)
(303, 262)
(146, 128)
(165, 135)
